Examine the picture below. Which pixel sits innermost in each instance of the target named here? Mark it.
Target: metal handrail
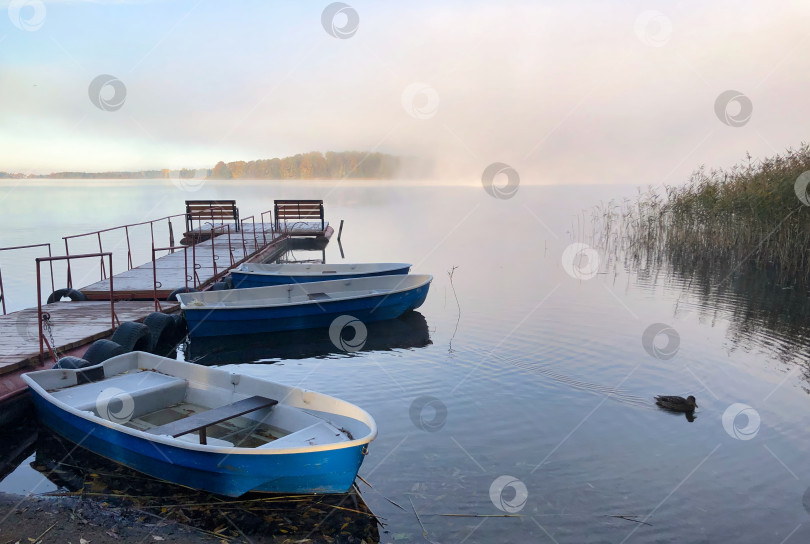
(271, 224)
(42, 340)
(156, 283)
(29, 246)
(255, 240)
(97, 233)
(126, 227)
(195, 266)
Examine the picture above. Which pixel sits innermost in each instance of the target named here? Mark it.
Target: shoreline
(27, 518)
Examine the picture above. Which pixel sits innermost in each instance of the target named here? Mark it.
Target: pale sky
(568, 92)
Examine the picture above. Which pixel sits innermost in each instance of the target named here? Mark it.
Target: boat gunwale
(203, 448)
(384, 267)
(265, 306)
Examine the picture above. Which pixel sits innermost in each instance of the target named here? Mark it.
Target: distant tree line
(165, 173)
(314, 165)
(144, 174)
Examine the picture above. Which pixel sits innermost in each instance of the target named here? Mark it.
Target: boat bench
(149, 391)
(201, 420)
(317, 434)
(286, 210)
(211, 209)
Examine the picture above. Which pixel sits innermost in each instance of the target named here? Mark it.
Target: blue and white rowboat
(261, 275)
(134, 409)
(302, 305)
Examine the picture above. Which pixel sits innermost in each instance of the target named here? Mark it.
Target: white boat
(301, 305)
(260, 275)
(206, 428)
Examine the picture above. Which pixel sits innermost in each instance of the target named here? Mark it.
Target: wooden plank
(74, 324)
(137, 283)
(201, 420)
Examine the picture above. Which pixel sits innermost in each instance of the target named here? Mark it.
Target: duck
(677, 404)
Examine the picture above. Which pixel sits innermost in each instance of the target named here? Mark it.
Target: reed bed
(734, 240)
(747, 216)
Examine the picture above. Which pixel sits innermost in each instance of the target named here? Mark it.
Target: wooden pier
(73, 324)
(220, 246)
(196, 266)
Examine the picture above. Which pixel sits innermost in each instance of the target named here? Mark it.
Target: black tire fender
(161, 327)
(72, 294)
(133, 337)
(173, 295)
(101, 350)
(179, 323)
(72, 363)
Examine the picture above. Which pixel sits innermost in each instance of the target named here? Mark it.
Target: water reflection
(77, 472)
(19, 442)
(765, 307)
(762, 312)
(409, 331)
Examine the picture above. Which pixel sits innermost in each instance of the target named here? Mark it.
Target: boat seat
(194, 439)
(149, 391)
(318, 434)
(201, 420)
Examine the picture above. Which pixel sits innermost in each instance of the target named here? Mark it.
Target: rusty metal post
(39, 311)
(67, 253)
(2, 293)
(255, 240)
(230, 247)
(194, 264)
(50, 263)
(154, 280)
(112, 294)
(101, 259)
(213, 251)
(129, 249)
(185, 261)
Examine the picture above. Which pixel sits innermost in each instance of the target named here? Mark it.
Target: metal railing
(191, 276)
(126, 228)
(43, 341)
(151, 223)
(219, 270)
(271, 224)
(2, 291)
(156, 284)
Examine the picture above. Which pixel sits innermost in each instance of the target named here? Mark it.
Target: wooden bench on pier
(210, 210)
(290, 211)
(201, 420)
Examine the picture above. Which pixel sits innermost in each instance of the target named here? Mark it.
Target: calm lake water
(525, 387)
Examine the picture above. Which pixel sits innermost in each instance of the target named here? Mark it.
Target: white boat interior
(302, 293)
(319, 269)
(158, 396)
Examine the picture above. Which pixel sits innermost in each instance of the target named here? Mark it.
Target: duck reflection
(409, 331)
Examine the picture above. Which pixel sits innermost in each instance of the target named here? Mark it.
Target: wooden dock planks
(137, 283)
(73, 323)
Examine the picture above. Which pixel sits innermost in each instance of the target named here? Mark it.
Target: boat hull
(233, 321)
(242, 280)
(231, 474)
